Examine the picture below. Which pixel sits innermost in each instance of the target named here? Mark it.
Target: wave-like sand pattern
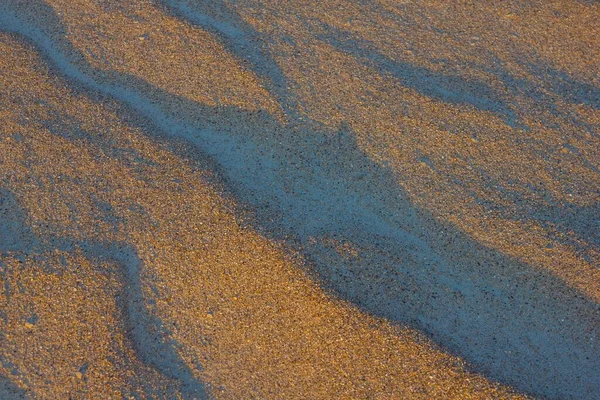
(298, 200)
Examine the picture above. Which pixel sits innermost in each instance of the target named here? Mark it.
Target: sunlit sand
(299, 200)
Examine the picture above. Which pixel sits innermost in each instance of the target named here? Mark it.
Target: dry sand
(311, 200)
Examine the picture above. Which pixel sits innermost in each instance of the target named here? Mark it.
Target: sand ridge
(445, 181)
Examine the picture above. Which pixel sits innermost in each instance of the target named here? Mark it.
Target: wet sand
(299, 200)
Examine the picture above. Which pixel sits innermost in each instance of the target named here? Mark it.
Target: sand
(282, 200)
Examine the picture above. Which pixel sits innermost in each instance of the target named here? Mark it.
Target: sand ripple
(299, 200)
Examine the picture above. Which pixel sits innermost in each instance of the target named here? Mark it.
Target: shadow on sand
(310, 187)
